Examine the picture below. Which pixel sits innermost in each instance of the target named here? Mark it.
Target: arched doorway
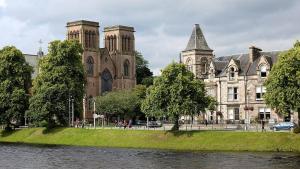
(106, 81)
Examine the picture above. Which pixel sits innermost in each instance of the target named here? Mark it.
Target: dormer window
(263, 71)
(231, 73)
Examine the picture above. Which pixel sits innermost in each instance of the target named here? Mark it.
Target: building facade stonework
(109, 68)
(235, 81)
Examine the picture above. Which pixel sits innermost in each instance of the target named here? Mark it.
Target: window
(211, 73)
(90, 66)
(264, 113)
(91, 103)
(232, 93)
(231, 73)
(203, 65)
(260, 91)
(86, 37)
(263, 71)
(189, 64)
(233, 113)
(126, 68)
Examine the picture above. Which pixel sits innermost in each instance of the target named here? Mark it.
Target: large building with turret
(235, 81)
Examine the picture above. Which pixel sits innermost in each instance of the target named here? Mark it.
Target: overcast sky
(162, 27)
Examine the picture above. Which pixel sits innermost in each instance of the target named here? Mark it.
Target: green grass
(183, 140)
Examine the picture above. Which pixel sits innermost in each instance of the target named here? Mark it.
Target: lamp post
(72, 100)
(84, 107)
(94, 114)
(69, 109)
(25, 119)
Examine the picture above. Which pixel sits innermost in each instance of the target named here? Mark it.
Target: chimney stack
(254, 53)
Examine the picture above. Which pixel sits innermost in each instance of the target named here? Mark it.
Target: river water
(68, 157)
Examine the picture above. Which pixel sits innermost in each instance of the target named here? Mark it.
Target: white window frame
(261, 90)
(263, 69)
(231, 95)
(264, 111)
(231, 73)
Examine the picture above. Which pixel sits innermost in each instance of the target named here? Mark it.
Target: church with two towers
(109, 68)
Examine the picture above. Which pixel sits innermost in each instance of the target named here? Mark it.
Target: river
(68, 157)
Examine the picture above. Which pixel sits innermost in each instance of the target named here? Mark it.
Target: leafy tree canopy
(61, 75)
(175, 93)
(122, 102)
(142, 70)
(283, 82)
(15, 80)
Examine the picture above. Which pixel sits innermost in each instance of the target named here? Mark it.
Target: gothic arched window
(231, 73)
(90, 103)
(203, 65)
(128, 47)
(93, 45)
(86, 38)
(90, 66)
(106, 81)
(90, 39)
(189, 64)
(126, 68)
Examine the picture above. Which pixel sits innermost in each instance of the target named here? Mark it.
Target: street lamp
(72, 111)
(69, 109)
(84, 107)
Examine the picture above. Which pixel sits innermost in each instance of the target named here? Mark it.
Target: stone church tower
(197, 55)
(109, 68)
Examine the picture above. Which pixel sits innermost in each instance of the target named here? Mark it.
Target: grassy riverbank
(183, 140)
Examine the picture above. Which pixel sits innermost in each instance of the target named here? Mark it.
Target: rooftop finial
(40, 52)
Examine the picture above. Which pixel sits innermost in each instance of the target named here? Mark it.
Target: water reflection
(24, 156)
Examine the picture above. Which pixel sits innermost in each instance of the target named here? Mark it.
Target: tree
(118, 103)
(142, 70)
(175, 93)
(61, 76)
(283, 82)
(15, 81)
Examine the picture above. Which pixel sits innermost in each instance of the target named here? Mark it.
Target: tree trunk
(176, 123)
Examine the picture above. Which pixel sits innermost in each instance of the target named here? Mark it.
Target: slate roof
(242, 61)
(197, 40)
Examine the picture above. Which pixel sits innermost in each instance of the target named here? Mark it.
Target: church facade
(235, 81)
(109, 68)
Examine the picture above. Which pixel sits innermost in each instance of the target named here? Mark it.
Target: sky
(162, 27)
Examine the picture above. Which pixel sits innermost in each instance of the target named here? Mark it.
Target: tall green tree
(143, 73)
(175, 93)
(61, 76)
(283, 82)
(15, 81)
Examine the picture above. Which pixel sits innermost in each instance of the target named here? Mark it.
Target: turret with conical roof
(197, 54)
(197, 40)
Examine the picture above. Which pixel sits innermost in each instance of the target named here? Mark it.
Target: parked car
(283, 126)
(141, 123)
(152, 124)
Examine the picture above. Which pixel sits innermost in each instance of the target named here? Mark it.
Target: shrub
(296, 130)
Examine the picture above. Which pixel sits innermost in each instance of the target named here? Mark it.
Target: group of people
(123, 123)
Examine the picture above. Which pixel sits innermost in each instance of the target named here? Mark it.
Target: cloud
(162, 28)
(3, 3)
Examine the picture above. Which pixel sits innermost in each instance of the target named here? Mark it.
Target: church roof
(197, 40)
